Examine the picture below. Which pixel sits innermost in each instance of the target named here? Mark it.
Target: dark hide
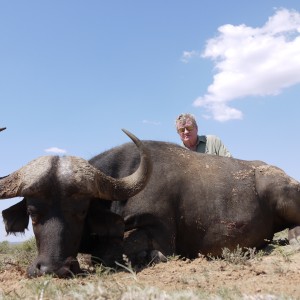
(196, 203)
(103, 235)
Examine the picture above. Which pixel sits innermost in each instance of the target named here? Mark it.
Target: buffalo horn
(29, 179)
(123, 188)
(73, 173)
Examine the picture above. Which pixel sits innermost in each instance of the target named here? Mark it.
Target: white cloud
(156, 123)
(55, 150)
(188, 55)
(251, 62)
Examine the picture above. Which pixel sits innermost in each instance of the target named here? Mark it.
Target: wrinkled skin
(196, 203)
(59, 195)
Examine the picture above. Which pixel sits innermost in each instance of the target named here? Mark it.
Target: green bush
(4, 247)
(20, 254)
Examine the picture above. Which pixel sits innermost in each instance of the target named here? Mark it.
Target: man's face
(187, 132)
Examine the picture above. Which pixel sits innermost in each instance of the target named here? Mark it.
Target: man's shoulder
(210, 137)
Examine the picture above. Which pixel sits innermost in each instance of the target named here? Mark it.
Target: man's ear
(16, 218)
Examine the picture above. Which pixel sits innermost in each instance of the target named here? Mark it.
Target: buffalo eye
(34, 219)
(81, 215)
(33, 215)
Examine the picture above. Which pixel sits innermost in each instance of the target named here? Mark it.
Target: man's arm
(216, 146)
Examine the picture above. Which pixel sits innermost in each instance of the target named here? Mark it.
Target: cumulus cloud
(251, 61)
(55, 150)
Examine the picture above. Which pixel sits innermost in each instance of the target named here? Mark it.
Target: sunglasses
(188, 128)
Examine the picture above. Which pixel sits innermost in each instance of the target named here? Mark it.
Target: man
(187, 129)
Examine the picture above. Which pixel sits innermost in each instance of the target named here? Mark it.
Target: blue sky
(73, 73)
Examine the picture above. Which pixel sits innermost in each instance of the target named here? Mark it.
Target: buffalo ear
(16, 218)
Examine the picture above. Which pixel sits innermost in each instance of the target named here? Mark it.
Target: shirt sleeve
(216, 146)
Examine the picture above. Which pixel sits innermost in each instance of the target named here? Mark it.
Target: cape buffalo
(193, 203)
(57, 193)
(199, 204)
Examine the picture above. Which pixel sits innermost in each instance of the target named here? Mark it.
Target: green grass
(18, 255)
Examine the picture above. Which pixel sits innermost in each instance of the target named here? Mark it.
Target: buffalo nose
(44, 269)
(67, 268)
(36, 270)
(62, 272)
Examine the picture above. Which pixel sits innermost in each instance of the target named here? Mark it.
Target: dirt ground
(275, 274)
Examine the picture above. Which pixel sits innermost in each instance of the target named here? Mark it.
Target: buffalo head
(59, 196)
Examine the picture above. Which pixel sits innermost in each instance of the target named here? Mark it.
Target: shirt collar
(200, 139)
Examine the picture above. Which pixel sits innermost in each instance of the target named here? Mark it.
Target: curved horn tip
(2, 128)
(131, 135)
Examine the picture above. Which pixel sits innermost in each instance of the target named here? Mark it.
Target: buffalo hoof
(294, 235)
(157, 257)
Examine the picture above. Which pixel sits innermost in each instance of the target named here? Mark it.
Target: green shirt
(211, 144)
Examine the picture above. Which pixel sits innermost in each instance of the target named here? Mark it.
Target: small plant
(4, 247)
(128, 267)
(173, 257)
(17, 255)
(26, 251)
(42, 290)
(238, 256)
(101, 270)
(285, 254)
(28, 246)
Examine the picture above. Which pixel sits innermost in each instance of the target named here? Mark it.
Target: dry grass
(269, 274)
